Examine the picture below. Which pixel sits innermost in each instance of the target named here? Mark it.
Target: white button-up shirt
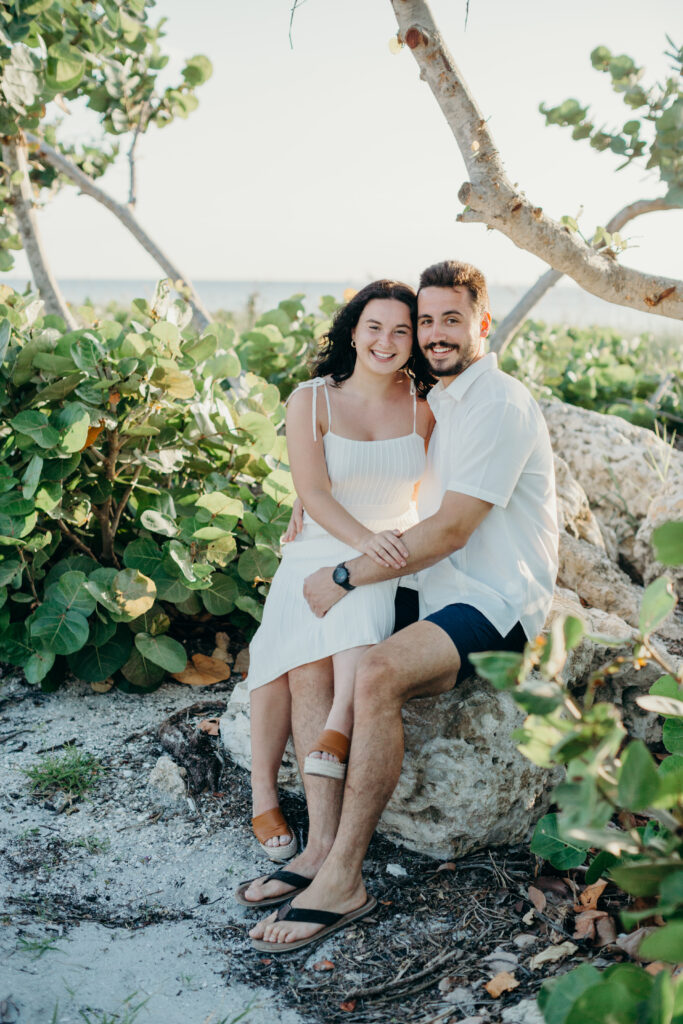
(491, 442)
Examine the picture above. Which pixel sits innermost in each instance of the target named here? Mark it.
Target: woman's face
(383, 336)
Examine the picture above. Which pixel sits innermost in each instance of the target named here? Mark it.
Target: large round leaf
(562, 853)
(35, 425)
(141, 672)
(38, 666)
(73, 423)
(222, 550)
(257, 563)
(59, 630)
(162, 651)
(219, 504)
(134, 592)
(69, 592)
(219, 599)
(65, 67)
(143, 554)
(154, 621)
(157, 522)
(93, 664)
(261, 430)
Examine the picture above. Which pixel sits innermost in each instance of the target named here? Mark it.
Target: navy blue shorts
(467, 627)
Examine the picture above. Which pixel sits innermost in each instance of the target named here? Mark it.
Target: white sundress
(374, 482)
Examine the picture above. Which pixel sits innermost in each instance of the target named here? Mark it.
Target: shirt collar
(457, 388)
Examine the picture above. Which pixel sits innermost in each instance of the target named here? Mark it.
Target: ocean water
(564, 304)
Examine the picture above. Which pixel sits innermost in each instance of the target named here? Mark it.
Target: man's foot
(318, 896)
(260, 889)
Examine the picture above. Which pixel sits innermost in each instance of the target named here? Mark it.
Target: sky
(331, 161)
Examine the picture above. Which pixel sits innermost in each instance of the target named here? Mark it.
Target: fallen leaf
(630, 943)
(93, 434)
(323, 965)
(385, 903)
(349, 1005)
(584, 924)
(588, 899)
(448, 866)
(551, 954)
(537, 898)
(656, 966)
(241, 665)
(607, 931)
(210, 726)
(529, 917)
(203, 671)
(503, 982)
(102, 685)
(548, 883)
(266, 961)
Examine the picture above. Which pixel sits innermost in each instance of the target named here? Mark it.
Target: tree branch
(132, 168)
(21, 193)
(127, 218)
(77, 541)
(511, 323)
(491, 199)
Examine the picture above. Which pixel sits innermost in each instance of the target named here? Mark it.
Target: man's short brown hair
(451, 274)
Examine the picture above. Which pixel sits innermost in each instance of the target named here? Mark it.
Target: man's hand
(321, 591)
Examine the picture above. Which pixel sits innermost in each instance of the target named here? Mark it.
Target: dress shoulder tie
(316, 383)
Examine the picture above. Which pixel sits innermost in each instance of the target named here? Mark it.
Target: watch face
(340, 575)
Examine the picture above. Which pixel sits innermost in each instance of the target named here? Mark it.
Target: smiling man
(486, 552)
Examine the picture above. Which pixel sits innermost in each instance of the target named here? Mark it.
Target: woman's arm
(312, 484)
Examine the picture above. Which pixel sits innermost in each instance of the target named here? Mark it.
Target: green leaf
(643, 878)
(158, 522)
(257, 563)
(599, 866)
(665, 944)
(219, 504)
(143, 554)
(638, 781)
(101, 631)
(547, 843)
(501, 668)
(573, 631)
(250, 605)
(219, 598)
(605, 1003)
(181, 556)
(69, 592)
(31, 477)
(672, 735)
(142, 673)
(667, 706)
(558, 995)
(658, 602)
(38, 666)
(94, 663)
(260, 429)
(667, 541)
(73, 422)
(65, 67)
(222, 550)
(59, 630)
(162, 651)
(35, 425)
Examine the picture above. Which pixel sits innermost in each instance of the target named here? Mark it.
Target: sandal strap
(289, 878)
(332, 742)
(270, 824)
(289, 913)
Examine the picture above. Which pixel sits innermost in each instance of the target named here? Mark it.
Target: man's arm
(427, 543)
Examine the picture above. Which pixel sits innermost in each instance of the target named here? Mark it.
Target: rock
(525, 1012)
(58, 802)
(588, 571)
(461, 996)
(166, 784)
(664, 507)
(620, 467)
(573, 511)
(501, 960)
(525, 940)
(464, 785)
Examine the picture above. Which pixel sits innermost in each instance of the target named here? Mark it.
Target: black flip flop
(300, 882)
(331, 921)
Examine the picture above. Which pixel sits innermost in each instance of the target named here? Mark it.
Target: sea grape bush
(143, 486)
(606, 775)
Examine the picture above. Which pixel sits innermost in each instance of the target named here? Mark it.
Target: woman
(356, 437)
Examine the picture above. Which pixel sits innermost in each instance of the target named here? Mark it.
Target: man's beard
(453, 369)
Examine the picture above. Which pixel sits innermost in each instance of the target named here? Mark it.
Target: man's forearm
(427, 543)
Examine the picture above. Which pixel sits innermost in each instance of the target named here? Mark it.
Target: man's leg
(311, 694)
(419, 661)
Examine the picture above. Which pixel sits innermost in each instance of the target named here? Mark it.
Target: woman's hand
(386, 549)
(295, 524)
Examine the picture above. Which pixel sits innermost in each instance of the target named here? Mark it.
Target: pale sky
(332, 160)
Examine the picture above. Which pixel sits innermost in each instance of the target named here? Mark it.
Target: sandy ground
(112, 906)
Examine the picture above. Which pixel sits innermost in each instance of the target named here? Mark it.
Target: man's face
(449, 331)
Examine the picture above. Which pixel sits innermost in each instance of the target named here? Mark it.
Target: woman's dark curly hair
(337, 357)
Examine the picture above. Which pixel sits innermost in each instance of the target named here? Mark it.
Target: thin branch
(88, 186)
(491, 199)
(77, 541)
(295, 7)
(511, 323)
(128, 491)
(132, 169)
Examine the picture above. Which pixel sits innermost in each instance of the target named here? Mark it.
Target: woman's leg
(340, 717)
(270, 729)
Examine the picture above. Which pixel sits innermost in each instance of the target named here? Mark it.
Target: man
(486, 550)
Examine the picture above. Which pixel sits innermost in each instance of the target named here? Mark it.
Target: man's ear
(485, 325)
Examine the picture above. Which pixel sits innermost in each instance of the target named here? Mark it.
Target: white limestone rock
(621, 467)
(166, 784)
(665, 507)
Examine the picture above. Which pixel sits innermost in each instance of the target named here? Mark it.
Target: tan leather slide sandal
(329, 742)
(270, 824)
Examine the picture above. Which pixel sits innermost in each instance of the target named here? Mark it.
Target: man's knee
(376, 678)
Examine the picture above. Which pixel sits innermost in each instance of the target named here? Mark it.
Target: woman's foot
(265, 806)
(336, 746)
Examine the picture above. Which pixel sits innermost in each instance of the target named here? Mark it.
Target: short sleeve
(488, 462)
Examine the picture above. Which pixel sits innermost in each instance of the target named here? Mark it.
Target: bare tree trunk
(127, 218)
(21, 192)
(491, 198)
(511, 323)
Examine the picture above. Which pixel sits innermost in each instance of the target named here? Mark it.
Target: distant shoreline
(564, 304)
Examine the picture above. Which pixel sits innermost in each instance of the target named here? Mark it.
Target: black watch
(341, 577)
